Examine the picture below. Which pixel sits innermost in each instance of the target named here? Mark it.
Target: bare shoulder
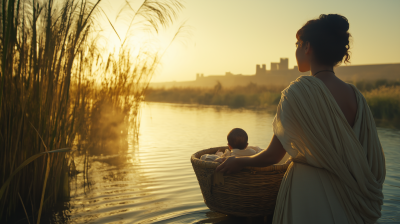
(344, 95)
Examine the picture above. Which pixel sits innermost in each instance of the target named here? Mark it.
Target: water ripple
(155, 183)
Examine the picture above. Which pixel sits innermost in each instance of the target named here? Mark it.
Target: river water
(154, 182)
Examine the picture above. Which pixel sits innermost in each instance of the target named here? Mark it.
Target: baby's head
(237, 139)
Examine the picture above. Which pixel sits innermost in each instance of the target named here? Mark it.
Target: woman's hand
(272, 155)
(230, 165)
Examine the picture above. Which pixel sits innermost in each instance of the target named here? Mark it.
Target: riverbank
(383, 98)
(250, 96)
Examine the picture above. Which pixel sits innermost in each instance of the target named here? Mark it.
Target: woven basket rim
(195, 159)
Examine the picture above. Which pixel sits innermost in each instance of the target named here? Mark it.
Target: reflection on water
(154, 182)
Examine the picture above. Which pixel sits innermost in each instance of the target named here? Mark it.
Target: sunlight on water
(154, 182)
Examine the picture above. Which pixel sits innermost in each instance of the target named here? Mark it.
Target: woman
(325, 125)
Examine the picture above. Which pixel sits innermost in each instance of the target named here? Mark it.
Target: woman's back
(325, 125)
(338, 170)
(344, 96)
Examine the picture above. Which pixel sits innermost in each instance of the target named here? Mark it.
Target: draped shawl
(314, 131)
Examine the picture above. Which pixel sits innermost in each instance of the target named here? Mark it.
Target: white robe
(337, 172)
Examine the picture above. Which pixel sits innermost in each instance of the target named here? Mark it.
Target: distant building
(274, 66)
(284, 65)
(280, 75)
(198, 76)
(261, 71)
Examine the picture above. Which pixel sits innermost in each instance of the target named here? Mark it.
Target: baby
(238, 146)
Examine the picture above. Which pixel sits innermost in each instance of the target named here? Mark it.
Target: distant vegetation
(365, 86)
(59, 89)
(250, 96)
(384, 103)
(383, 97)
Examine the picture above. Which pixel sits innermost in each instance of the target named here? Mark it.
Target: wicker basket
(250, 193)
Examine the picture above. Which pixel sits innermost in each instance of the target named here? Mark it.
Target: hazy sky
(233, 35)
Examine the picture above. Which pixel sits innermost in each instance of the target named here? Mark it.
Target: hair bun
(335, 21)
(329, 37)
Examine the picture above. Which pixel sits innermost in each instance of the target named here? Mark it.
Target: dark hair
(237, 138)
(329, 38)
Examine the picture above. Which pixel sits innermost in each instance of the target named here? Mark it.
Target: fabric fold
(314, 131)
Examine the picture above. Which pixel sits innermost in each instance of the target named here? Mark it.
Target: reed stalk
(50, 96)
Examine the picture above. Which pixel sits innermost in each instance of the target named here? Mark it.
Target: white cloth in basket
(249, 151)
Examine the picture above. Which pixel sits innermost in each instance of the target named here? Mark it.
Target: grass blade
(25, 163)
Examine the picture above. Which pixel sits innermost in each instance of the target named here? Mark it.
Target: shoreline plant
(383, 98)
(249, 96)
(57, 88)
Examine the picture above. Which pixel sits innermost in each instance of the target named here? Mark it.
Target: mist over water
(154, 182)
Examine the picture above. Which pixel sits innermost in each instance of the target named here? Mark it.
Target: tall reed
(50, 96)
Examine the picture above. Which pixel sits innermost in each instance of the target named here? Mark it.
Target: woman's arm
(272, 155)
